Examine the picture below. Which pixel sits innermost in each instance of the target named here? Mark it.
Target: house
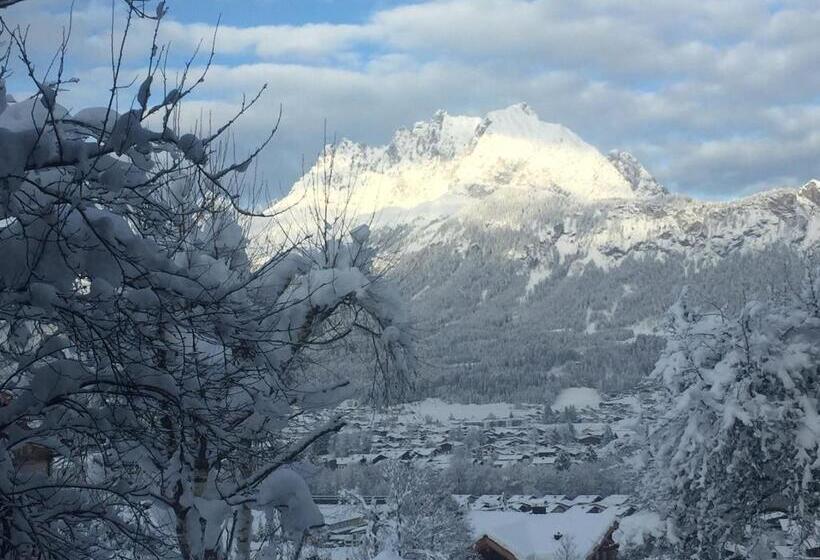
(374, 458)
(614, 500)
(510, 535)
(443, 448)
(488, 502)
(520, 503)
(507, 459)
(807, 551)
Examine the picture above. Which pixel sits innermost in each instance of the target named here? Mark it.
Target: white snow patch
(440, 410)
(537, 275)
(649, 326)
(579, 397)
(635, 529)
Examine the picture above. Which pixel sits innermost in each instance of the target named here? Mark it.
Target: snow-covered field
(579, 397)
(440, 410)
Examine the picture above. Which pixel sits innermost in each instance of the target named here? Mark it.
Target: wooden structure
(607, 548)
(488, 549)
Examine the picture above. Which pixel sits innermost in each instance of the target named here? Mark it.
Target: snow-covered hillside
(533, 260)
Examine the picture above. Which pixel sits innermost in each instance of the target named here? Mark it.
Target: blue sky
(292, 12)
(718, 99)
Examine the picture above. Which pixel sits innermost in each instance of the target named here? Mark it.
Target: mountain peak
(442, 137)
(520, 121)
(643, 183)
(811, 191)
(441, 166)
(516, 111)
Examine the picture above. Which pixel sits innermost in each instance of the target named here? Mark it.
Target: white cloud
(716, 97)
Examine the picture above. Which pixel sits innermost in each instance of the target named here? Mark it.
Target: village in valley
(580, 426)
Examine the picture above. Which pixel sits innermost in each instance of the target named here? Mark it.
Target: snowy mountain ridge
(444, 164)
(510, 170)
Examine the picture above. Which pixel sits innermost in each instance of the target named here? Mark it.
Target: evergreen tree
(563, 461)
(739, 430)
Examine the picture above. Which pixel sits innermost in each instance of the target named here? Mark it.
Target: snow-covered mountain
(445, 164)
(533, 260)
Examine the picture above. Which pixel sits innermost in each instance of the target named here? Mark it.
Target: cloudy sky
(717, 98)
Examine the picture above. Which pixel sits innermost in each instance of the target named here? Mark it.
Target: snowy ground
(579, 397)
(437, 409)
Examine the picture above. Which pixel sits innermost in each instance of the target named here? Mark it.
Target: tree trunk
(243, 533)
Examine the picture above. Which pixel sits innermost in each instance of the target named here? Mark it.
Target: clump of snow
(634, 530)
(286, 491)
(579, 397)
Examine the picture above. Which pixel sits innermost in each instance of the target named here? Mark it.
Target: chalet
(589, 439)
(614, 500)
(507, 459)
(585, 499)
(488, 503)
(773, 519)
(400, 454)
(520, 503)
(545, 451)
(444, 447)
(424, 452)
(509, 535)
(553, 497)
(377, 458)
(344, 524)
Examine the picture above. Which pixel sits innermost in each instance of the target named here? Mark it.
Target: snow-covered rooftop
(533, 537)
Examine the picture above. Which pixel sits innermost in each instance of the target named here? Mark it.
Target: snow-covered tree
(150, 363)
(739, 431)
(563, 461)
(567, 550)
(421, 521)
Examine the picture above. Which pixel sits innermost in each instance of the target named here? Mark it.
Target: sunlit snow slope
(439, 166)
